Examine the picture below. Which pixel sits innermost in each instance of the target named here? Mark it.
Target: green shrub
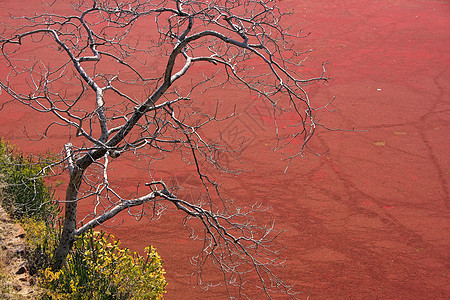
(24, 191)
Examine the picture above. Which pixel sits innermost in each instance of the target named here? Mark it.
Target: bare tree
(94, 78)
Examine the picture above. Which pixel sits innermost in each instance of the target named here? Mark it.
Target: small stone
(20, 251)
(21, 270)
(380, 143)
(20, 232)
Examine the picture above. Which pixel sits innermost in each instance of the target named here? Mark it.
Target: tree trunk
(70, 219)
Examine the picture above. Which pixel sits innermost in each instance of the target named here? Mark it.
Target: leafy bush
(98, 268)
(42, 239)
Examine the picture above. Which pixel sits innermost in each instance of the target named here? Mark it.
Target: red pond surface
(370, 218)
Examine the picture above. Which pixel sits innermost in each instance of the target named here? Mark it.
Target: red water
(370, 218)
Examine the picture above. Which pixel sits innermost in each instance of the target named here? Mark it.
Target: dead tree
(93, 78)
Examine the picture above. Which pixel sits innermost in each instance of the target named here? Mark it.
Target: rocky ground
(15, 282)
